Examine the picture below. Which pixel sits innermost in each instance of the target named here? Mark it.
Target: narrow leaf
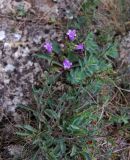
(62, 146)
(74, 150)
(24, 134)
(50, 113)
(44, 56)
(112, 51)
(30, 128)
(56, 47)
(91, 45)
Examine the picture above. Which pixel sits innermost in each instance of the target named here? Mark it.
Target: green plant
(21, 10)
(94, 62)
(66, 119)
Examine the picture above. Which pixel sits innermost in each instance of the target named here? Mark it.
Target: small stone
(37, 39)
(1, 114)
(55, 0)
(15, 150)
(6, 81)
(2, 35)
(17, 54)
(69, 15)
(9, 67)
(30, 63)
(7, 45)
(26, 51)
(17, 36)
(0, 53)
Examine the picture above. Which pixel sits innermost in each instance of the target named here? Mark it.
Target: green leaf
(86, 156)
(112, 50)
(27, 127)
(95, 86)
(37, 141)
(27, 108)
(73, 151)
(48, 58)
(91, 66)
(56, 47)
(52, 156)
(73, 57)
(125, 119)
(50, 113)
(62, 146)
(79, 23)
(78, 120)
(88, 67)
(24, 134)
(120, 119)
(43, 56)
(90, 45)
(74, 127)
(76, 76)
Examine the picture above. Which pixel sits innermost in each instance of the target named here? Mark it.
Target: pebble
(2, 35)
(6, 81)
(9, 67)
(17, 36)
(18, 69)
(37, 39)
(7, 45)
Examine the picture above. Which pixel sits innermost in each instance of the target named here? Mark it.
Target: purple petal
(48, 47)
(71, 34)
(80, 47)
(67, 64)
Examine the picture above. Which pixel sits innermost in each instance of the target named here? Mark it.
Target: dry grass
(109, 14)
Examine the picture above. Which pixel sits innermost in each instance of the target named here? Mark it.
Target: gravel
(19, 70)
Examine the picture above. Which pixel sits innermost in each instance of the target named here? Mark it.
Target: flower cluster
(71, 35)
(67, 64)
(80, 47)
(48, 47)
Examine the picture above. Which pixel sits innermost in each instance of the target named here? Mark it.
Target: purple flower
(48, 46)
(67, 64)
(80, 47)
(71, 34)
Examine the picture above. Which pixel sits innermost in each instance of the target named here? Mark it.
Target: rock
(17, 36)
(69, 14)
(5, 6)
(9, 68)
(15, 150)
(1, 113)
(37, 39)
(55, 0)
(18, 53)
(26, 52)
(7, 45)
(49, 8)
(69, 9)
(30, 63)
(6, 81)
(22, 5)
(2, 35)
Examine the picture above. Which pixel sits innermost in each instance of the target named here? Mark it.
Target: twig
(119, 150)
